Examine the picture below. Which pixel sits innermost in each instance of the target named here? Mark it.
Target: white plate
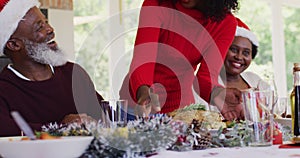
(284, 121)
(66, 147)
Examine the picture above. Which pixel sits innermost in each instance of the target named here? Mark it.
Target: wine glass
(280, 108)
(269, 84)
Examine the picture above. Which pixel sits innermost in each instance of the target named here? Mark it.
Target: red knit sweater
(171, 41)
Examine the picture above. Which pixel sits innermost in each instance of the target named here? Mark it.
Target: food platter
(65, 147)
(187, 114)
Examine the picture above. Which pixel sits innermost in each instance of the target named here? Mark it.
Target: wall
(60, 15)
(57, 4)
(62, 21)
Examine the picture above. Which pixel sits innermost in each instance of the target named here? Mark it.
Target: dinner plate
(65, 147)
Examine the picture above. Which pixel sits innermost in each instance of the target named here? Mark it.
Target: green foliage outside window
(91, 38)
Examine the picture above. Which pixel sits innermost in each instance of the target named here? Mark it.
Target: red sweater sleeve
(214, 56)
(146, 44)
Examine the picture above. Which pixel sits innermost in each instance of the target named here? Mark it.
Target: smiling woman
(239, 56)
(238, 59)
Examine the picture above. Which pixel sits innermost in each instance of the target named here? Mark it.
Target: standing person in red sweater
(173, 38)
(39, 83)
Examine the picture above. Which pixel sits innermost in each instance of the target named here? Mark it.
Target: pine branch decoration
(138, 138)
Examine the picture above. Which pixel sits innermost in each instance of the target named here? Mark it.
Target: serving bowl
(65, 147)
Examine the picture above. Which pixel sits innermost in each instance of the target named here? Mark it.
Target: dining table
(234, 152)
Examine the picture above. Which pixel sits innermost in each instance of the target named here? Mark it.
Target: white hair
(40, 52)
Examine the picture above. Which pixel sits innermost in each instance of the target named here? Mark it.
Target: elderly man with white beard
(39, 83)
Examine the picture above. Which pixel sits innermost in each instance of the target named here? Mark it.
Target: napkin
(291, 146)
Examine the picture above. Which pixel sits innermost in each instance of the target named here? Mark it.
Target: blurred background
(100, 34)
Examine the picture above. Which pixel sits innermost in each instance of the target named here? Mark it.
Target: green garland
(237, 136)
(144, 137)
(139, 138)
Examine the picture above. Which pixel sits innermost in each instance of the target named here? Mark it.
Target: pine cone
(200, 135)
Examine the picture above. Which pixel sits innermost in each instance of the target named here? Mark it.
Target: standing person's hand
(147, 101)
(229, 102)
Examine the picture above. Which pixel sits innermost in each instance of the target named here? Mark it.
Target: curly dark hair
(254, 50)
(215, 10)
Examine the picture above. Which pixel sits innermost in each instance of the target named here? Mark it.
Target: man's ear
(14, 44)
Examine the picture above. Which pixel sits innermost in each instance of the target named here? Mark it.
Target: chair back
(4, 61)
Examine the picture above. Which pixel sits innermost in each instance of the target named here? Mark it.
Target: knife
(23, 125)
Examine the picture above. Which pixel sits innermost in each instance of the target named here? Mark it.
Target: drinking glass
(258, 116)
(115, 112)
(268, 84)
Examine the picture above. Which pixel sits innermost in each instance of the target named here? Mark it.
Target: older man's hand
(77, 118)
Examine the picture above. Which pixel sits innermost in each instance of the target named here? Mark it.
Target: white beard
(41, 53)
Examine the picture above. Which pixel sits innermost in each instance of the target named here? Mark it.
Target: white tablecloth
(237, 152)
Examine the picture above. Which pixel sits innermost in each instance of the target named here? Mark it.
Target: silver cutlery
(23, 125)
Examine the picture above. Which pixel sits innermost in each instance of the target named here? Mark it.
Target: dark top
(69, 91)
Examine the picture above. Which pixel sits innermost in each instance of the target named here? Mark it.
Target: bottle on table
(295, 100)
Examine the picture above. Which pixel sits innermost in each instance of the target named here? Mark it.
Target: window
(277, 25)
(104, 39)
(105, 33)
